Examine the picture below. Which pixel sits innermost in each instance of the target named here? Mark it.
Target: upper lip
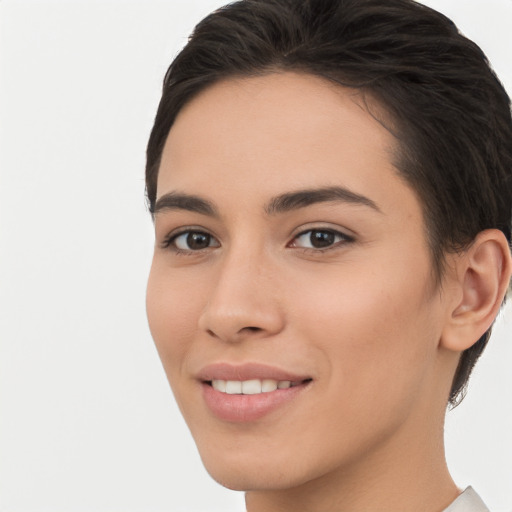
(247, 371)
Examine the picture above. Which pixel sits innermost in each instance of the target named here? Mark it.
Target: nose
(243, 302)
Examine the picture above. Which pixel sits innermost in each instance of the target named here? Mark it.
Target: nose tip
(242, 304)
(237, 322)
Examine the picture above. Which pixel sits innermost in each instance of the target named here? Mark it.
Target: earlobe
(483, 275)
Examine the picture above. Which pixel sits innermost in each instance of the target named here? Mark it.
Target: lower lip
(247, 408)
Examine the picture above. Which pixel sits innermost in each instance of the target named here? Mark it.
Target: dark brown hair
(444, 104)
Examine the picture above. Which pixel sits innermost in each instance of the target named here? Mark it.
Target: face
(291, 295)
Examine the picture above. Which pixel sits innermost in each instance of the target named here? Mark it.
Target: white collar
(468, 501)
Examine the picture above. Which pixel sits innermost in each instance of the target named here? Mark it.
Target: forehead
(260, 136)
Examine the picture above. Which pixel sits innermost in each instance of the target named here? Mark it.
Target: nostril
(246, 330)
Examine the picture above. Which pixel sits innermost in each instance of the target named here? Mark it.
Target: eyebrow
(280, 204)
(307, 197)
(180, 201)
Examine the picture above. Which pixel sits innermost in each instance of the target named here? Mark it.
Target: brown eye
(193, 241)
(320, 239)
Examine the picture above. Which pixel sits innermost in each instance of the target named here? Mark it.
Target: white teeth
(249, 387)
(268, 385)
(219, 385)
(233, 387)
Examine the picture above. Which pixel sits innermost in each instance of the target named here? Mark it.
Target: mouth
(248, 392)
(253, 386)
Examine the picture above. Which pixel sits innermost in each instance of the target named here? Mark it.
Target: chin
(270, 470)
(241, 471)
(244, 478)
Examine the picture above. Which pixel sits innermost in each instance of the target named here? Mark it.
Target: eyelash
(340, 239)
(170, 241)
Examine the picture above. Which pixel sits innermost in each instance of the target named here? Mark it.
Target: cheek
(373, 329)
(172, 309)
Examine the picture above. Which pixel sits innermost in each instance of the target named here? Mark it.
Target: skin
(364, 317)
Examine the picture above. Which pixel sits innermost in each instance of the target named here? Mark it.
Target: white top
(468, 501)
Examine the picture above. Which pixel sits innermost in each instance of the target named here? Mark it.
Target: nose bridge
(244, 300)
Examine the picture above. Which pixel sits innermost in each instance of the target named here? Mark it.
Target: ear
(482, 275)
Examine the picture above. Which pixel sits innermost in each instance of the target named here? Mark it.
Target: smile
(240, 393)
(250, 387)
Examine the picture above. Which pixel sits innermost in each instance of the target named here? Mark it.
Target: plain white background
(87, 422)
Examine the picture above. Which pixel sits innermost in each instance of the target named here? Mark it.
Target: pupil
(322, 238)
(198, 240)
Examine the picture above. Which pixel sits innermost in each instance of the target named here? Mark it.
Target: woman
(331, 188)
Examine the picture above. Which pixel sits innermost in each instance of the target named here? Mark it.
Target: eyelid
(323, 226)
(345, 237)
(168, 240)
